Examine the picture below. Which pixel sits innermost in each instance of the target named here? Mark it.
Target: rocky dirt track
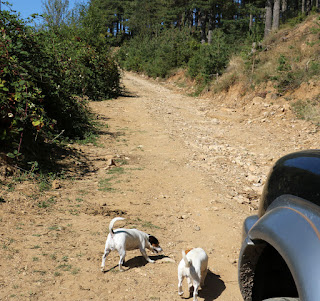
(187, 170)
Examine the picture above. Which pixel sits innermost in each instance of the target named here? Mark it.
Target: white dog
(124, 240)
(193, 266)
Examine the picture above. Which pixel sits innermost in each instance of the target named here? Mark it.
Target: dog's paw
(180, 293)
(102, 269)
(151, 261)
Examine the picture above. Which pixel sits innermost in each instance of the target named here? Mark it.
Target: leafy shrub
(283, 64)
(308, 109)
(157, 56)
(35, 104)
(209, 60)
(293, 21)
(87, 71)
(288, 78)
(21, 100)
(43, 76)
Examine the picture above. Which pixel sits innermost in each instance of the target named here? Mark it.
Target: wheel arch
(288, 230)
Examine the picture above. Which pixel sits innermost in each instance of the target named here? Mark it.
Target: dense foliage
(195, 34)
(210, 59)
(47, 71)
(43, 78)
(87, 71)
(166, 35)
(156, 56)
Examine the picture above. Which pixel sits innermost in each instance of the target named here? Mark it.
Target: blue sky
(29, 7)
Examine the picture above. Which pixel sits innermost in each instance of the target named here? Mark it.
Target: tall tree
(56, 12)
(276, 15)
(284, 8)
(268, 18)
(308, 6)
(146, 16)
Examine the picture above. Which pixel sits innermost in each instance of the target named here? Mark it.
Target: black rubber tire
(282, 299)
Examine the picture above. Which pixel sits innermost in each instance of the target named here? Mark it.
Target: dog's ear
(153, 241)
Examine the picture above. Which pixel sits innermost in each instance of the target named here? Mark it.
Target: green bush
(87, 71)
(158, 55)
(308, 109)
(22, 100)
(42, 76)
(210, 60)
(288, 78)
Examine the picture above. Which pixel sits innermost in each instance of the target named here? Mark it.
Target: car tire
(282, 299)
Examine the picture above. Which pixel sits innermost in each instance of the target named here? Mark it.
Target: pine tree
(276, 15)
(268, 18)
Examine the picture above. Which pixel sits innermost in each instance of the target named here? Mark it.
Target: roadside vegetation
(216, 46)
(286, 58)
(50, 71)
(48, 75)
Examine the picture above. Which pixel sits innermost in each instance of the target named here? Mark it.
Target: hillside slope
(283, 71)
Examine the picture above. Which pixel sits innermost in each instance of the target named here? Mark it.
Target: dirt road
(187, 170)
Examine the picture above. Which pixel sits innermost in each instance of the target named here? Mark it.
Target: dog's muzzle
(157, 249)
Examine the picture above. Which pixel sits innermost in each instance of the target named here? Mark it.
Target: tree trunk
(284, 8)
(188, 20)
(303, 6)
(276, 15)
(211, 25)
(203, 22)
(251, 21)
(199, 18)
(210, 34)
(210, 30)
(196, 18)
(268, 22)
(308, 6)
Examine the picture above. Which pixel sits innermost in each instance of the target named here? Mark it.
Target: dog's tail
(186, 261)
(112, 223)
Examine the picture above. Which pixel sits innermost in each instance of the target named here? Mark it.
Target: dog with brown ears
(194, 267)
(124, 240)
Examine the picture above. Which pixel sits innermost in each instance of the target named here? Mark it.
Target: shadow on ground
(139, 261)
(213, 288)
(136, 262)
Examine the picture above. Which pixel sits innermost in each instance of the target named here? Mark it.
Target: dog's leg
(180, 291)
(106, 252)
(122, 254)
(144, 253)
(190, 285)
(195, 290)
(203, 277)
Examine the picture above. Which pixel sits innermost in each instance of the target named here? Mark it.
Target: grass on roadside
(308, 110)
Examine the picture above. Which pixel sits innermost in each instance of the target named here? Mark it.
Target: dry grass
(288, 58)
(308, 110)
(235, 73)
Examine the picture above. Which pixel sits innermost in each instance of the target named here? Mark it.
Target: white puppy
(193, 266)
(124, 240)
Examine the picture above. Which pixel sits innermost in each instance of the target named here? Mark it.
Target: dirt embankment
(187, 170)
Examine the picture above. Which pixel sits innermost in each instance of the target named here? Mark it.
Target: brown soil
(187, 170)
